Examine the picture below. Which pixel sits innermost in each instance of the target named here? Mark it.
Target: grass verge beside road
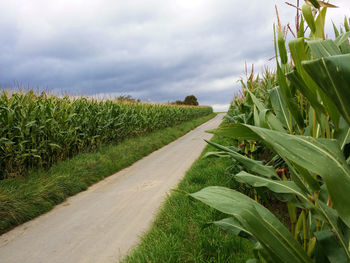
(22, 199)
(178, 235)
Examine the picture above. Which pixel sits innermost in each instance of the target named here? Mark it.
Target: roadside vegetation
(25, 197)
(180, 234)
(292, 140)
(39, 130)
(281, 177)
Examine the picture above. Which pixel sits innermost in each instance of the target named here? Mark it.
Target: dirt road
(104, 222)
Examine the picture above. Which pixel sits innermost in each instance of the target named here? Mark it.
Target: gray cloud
(154, 50)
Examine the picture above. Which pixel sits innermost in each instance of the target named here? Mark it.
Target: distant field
(39, 130)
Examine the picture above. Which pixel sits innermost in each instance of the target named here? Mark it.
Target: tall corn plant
(305, 123)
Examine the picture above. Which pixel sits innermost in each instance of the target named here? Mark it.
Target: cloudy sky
(153, 50)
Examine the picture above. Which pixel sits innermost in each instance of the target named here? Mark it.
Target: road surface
(104, 222)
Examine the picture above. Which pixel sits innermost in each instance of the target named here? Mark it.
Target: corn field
(39, 130)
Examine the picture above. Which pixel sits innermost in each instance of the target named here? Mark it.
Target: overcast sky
(153, 50)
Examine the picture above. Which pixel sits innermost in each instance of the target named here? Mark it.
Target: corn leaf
(320, 22)
(323, 48)
(301, 27)
(343, 134)
(331, 217)
(297, 177)
(309, 17)
(236, 131)
(341, 39)
(332, 74)
(298, 52)
(300, 77)
(270, 119)
(289, 99)
(309, 93)
(324, 157)
(251, 165)
(309, 179)
(276, 186)
(279, 106)
(232, 226)
(256, 116)
(330, 247)
(257, 220)
(346, 24)
(336, 31)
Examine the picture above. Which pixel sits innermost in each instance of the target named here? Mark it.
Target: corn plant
(39, 130)
(305, 123)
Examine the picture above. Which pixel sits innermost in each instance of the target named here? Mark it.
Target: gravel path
(104, 222)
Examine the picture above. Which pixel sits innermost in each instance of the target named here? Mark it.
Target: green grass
(177, 235)
(22, 199)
